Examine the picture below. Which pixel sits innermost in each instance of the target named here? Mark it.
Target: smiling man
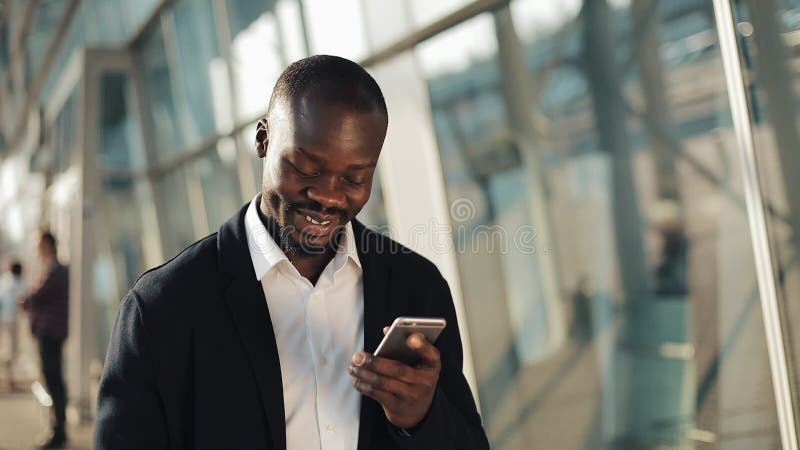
(260, 336)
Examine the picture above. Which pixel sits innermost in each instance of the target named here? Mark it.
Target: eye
(353, 182)
(306, 175)
(302, 173)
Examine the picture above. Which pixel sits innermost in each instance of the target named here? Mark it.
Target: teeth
(315, 222)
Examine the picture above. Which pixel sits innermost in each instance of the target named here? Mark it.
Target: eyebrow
(317, 159)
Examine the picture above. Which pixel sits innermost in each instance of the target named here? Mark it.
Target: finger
(385, 330)
(388, 400)
(380, 382)
(391, 368)
(429, 354)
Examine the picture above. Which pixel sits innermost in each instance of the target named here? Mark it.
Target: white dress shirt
(317, 330)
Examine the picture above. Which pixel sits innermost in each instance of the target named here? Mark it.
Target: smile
(316, 222)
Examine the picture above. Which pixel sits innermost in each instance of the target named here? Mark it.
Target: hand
(405, 392)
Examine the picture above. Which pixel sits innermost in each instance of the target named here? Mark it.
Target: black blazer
(192, 361)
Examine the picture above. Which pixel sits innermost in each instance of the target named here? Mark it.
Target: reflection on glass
(768, 33)
(605, 261)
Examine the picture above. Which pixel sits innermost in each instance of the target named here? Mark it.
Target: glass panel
(326, 33)
(220, 182)
(55, 154)
(4, 42)
(119, 232)
(255, 77)
(172, 191)
(424, 12)
(135, 13)
(120, 147)
(45, 20)
(159, 92)
(602, 242)
(198, 55)
(119, 255)
(96, 22)
(769, 36)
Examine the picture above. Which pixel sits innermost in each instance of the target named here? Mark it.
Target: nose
(328, 195)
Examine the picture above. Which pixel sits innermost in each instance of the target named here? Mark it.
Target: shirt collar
(265, 253)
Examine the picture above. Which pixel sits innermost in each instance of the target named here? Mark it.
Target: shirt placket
(318, 339)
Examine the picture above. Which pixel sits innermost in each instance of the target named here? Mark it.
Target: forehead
(316, 125)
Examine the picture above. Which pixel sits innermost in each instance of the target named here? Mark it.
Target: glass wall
(769, 40)
(601, 247)
(162, 112)
(190, 32)
(602, 240)
(120, 240)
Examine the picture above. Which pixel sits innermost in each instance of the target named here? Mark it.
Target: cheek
(274, 174)
(358, 198)
(279, 179)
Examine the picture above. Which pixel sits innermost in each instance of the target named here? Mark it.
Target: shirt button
(323, 360)
(330, 428)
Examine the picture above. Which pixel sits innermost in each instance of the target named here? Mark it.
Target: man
(260, 335)
(11, 293)
(48, 309)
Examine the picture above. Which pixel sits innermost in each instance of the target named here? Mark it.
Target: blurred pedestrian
(48, 308)
(11, 292)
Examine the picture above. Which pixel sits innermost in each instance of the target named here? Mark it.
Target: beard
(284, 233)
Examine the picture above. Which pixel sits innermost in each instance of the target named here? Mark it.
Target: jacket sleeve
(452, 421)
(130, 413)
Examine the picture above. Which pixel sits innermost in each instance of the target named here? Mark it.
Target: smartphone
(393, 345)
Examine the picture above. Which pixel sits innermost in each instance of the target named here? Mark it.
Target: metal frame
(770, 307)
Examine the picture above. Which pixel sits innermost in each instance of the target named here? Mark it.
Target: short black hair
(333, 79)
(48, 238)
(16, 268)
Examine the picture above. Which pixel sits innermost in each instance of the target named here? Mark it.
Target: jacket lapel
(376, 277)
(248, 306)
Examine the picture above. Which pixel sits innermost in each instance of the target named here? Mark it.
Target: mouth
(314, 224)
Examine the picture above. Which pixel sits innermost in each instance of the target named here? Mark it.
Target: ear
(262, 138)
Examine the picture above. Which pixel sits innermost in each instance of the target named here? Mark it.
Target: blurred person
(260, 335)
(11, 294)
(48, 308)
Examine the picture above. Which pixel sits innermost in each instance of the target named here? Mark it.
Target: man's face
(318, 169)
(44, 249)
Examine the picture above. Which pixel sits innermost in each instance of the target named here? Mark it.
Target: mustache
(317, 207)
